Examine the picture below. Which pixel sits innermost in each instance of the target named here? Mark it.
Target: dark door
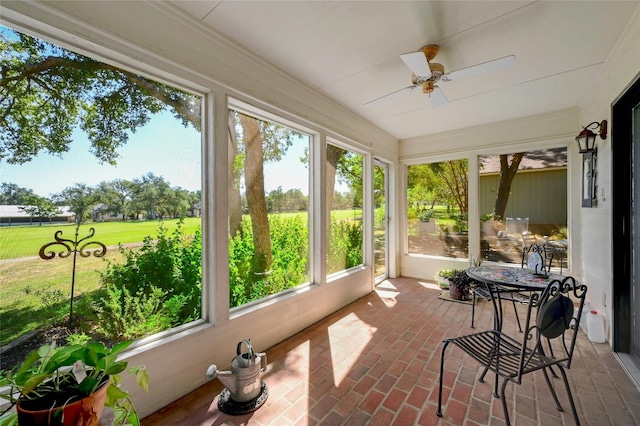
(626, 222)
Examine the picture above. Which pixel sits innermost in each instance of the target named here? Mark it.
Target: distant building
(13, 215)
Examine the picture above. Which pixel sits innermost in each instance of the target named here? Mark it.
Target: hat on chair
(555, 316)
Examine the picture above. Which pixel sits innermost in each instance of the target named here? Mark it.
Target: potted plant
(460, 285)
(69, 385)
(443, 277)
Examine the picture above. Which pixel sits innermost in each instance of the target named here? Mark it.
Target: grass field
(34, 291)
(24, 241)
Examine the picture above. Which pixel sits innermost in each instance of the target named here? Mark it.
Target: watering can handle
(248, 345)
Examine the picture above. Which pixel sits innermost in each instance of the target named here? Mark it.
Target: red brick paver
(377, 362)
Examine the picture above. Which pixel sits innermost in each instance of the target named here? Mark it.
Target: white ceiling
(349, 50)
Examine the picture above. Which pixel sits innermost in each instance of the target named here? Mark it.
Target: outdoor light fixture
(587, 139)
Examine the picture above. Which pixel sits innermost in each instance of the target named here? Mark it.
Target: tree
(47, 91)
(455, 178)
(254, 183)
(41, 208)
(79, 197)
(151, 195)
(507, 173)
(115, 195)
(12, 194)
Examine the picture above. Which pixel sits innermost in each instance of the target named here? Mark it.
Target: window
(112, 158)
(268, 208)
(344, 206)
(523, 200)
(437, 209)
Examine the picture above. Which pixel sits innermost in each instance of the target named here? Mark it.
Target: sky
(163, 147)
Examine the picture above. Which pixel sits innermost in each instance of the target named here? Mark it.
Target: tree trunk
(235, 201)
(507, 173)
(254, 182)
(333, 156)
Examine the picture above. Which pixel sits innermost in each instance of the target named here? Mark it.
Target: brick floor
(376, 362)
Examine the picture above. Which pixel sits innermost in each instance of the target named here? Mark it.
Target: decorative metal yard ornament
(73, 246)
(244, 392)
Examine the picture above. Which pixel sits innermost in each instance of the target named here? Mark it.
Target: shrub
(156, 288)
(289, 268)
(344, 245)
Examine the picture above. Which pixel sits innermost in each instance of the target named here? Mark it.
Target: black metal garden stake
(71, 246)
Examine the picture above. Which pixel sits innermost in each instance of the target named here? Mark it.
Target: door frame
(622, 238)
(387, 167)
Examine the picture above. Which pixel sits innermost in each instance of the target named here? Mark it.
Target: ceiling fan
(426, 74)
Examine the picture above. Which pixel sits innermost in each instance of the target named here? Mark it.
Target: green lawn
(24, 241)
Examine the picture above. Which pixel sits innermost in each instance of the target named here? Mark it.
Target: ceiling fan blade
(390, 95)
(417, 63)
(437, 98)
(480, 69)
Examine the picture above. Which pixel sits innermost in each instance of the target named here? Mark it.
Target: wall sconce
(587, 147)
(587, 139)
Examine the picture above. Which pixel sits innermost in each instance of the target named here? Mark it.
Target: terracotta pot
(85, 412)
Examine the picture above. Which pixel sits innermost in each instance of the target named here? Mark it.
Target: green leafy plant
(445, 273)
(426, 216)
(461, 283)
(61, 375)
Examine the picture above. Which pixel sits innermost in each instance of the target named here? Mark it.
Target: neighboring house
(542, 175)
(13, 215)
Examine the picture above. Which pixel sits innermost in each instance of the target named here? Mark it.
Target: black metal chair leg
(553, 392)
(473, 308)
(573, 405)
(439, 411)
(504, 403)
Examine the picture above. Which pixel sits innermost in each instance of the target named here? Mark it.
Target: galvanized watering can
(243, 381)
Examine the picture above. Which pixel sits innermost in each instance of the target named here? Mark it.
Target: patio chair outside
(549, 340)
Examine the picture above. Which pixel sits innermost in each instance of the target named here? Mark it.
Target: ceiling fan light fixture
(427, 86)
(430, 51)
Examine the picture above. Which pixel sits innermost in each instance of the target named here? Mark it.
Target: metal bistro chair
(549, 339)
(480, 290)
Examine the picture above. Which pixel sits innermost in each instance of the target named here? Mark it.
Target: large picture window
(523, 200)
(437, 209)
(92, 153)
(268, 208)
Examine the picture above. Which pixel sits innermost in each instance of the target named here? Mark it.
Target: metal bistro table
(502, 279)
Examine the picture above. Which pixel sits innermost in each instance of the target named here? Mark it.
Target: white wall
(164, 44)
(620, 70)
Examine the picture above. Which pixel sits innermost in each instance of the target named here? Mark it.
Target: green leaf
(114, 393)
(28, 361)
(88, 385)
(121, 346)
(32, 382)
(116, 368)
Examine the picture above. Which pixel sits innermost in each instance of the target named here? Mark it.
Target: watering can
(243, 381)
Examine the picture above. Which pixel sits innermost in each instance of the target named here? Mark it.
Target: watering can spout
(226, 377)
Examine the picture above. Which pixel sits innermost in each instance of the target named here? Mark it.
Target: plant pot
(84, 412)
(442, 282)
(455, 293)
(427, 227)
